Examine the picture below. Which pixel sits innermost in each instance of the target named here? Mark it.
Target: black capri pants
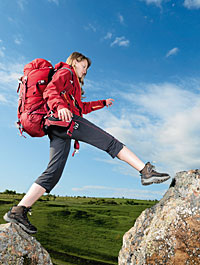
(60, 143)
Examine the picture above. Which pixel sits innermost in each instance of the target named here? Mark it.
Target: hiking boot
(18, 215)
(150, 176)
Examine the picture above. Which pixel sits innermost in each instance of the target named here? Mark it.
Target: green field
(79, 230)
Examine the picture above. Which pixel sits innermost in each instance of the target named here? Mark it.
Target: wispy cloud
(120, 41)
(156, 2)
(108, 36)
(117, 41)
(192, 4)
(120, 192)
(159, 122)
(121, 19)
(2, 51)
(8, 77)
(21, 4)
(18, 40)
(3, 99)
(172, 52)
(54, 1)
(90, 27)
(10, 71)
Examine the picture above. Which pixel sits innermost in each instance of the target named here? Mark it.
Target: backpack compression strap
(24, 89)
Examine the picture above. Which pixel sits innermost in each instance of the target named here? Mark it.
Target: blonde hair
(81, 82)
(78, 57)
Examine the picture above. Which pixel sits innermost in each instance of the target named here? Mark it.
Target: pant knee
(114, 147)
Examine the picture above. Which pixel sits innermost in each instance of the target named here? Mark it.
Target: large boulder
(169, 232)
(18, 247)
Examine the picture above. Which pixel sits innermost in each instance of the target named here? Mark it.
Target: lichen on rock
(18, 247)
(169, 232)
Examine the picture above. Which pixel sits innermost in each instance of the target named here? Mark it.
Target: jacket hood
(61, 65)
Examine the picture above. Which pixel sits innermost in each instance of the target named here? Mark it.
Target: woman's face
(81, 68)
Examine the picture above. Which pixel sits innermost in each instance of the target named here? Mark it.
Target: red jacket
(64, 91)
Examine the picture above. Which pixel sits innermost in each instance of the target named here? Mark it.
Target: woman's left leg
(59, 150)
(91, 134)
(129, 157)
(33, 194)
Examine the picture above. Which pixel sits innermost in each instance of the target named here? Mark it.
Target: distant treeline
(9, 192)
(94, 200)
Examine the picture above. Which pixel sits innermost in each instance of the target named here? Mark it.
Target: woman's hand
(109, 102)
(65, 115)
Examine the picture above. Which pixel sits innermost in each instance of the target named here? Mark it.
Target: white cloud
(156, 2)
(121, 19)
(120, 41)
(120, 192)
(192, 4)
(22, 4)
(3, 99)
(2, 51)
(172, 52)
(159, 122)
(10, 71)
(18, 40)
(108, 36)
(54, 1)
(90, 27)
(8, 77)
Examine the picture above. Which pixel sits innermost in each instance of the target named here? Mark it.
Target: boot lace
(150, 167)
(26, 210)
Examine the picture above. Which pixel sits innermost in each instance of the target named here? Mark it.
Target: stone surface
(18, 248)
(169, 232)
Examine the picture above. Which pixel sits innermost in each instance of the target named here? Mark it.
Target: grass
(79, 230)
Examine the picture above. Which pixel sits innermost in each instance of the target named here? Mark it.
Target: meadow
(80, 230)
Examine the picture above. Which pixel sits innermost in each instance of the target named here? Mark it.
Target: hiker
(68, 106)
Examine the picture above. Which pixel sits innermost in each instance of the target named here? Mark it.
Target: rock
(18, 247)
(169, 232)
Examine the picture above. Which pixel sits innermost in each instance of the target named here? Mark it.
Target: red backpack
(33, 113)
(32, 108)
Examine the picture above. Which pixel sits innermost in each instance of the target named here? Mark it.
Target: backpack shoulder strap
(72, 75)
(68, 70)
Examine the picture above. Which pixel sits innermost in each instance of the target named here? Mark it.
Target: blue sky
(145, 54)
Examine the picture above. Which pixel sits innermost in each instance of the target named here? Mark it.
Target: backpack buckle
(41, 82)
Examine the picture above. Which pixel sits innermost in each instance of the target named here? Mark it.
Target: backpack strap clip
(24, 82)
(20, 127)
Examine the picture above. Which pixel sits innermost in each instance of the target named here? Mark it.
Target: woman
(63, 96)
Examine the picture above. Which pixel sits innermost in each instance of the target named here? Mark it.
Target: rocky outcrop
(169, 232)
(18, 247)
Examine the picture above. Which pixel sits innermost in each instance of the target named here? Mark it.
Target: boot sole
(10, 220)
(155, 180)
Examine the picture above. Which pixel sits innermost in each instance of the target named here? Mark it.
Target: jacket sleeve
(52, 93)
(87, 107)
